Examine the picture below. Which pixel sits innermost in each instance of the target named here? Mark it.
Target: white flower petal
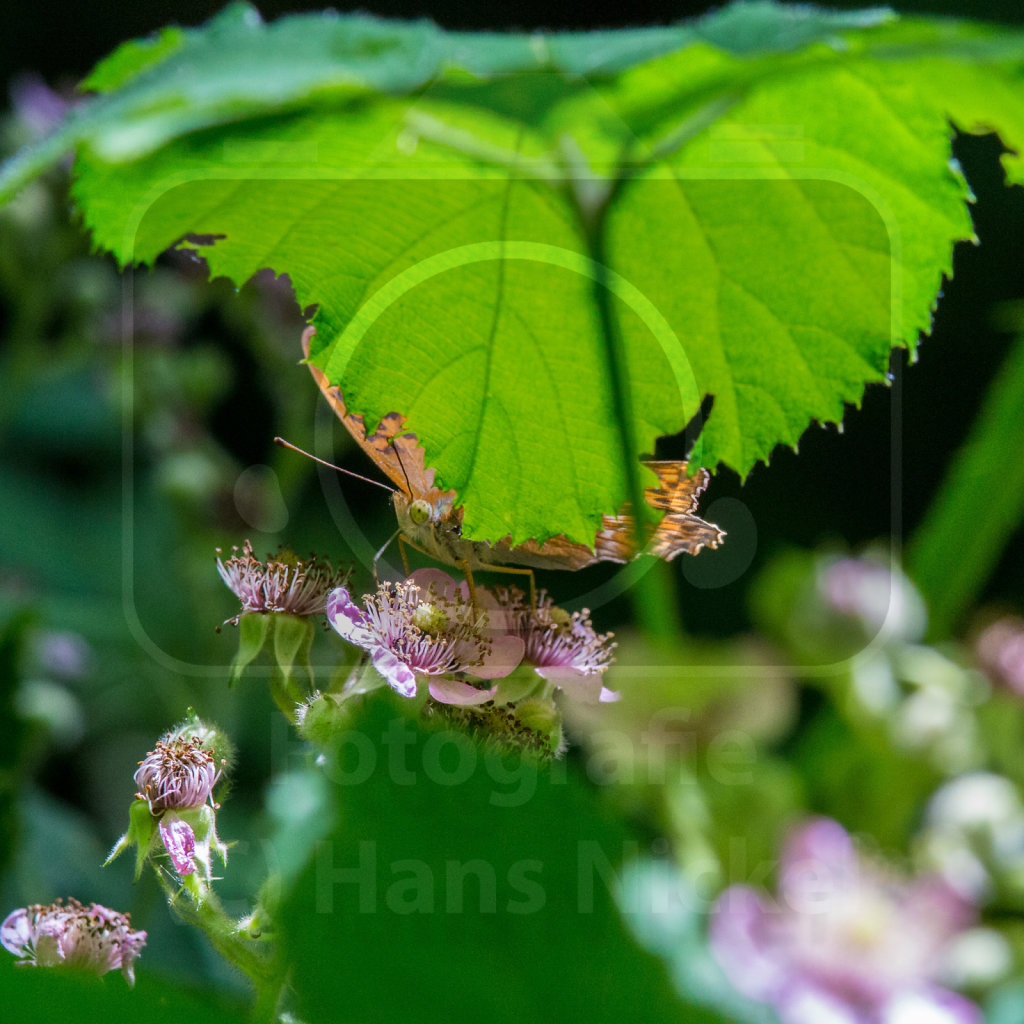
(400, 677)
(347, 618)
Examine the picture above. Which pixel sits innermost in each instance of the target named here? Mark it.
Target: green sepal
(349, 680)
(142, 833)
(253, 629)
(520, 683)
(293, 640)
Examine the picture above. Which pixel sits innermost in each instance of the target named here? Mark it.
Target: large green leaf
(40, 994)
(459, 884)
(546, 251)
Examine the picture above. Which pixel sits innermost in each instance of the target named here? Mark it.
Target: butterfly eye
(419, 512)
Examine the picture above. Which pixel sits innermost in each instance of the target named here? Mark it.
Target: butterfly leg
(519, 571)
(463, 567)
(405, 558)
(404, 543)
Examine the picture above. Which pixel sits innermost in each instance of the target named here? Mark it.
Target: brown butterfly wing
(398, 455)
(680, 529)
(554, 553)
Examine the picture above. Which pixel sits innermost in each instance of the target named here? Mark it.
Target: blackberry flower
(843, 940)
(564, 648)
(69, 934)
(174, 804)
(282, 584)
(428, 626)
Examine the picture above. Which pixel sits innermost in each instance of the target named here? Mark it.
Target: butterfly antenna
(330, 465)
(398, 455)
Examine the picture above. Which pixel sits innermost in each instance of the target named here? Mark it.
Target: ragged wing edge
(398, 455)
(679, 531)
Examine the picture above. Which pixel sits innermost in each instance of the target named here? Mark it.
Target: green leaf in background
(35, 995)
(459, 884)
(766, 194)
(980, 503)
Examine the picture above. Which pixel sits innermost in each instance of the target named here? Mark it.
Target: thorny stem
(222, 931)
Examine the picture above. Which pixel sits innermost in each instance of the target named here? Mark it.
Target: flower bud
(174, 807)
(322, 718)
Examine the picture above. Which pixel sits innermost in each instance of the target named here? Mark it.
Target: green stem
(209, 915)
(653, 596)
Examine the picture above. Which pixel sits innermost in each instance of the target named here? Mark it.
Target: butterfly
(430, 520)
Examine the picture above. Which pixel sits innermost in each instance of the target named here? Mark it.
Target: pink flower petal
(740, 939)
(819, 857)
(931, 913)
(498, 619)
(808, 1004)
(930, 1006)
(582, 686)
(16, 932)
(400, 677)
(820, 839)
(505, 654)
(609, 696)
(453, 691)
(444, 586)
(180, 842)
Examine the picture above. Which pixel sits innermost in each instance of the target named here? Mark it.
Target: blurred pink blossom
(843, 941)
(1001, 652)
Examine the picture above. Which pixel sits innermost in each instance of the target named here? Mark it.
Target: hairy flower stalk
(564, 648)
(283, 584)
(429, 627)
(72, 935)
